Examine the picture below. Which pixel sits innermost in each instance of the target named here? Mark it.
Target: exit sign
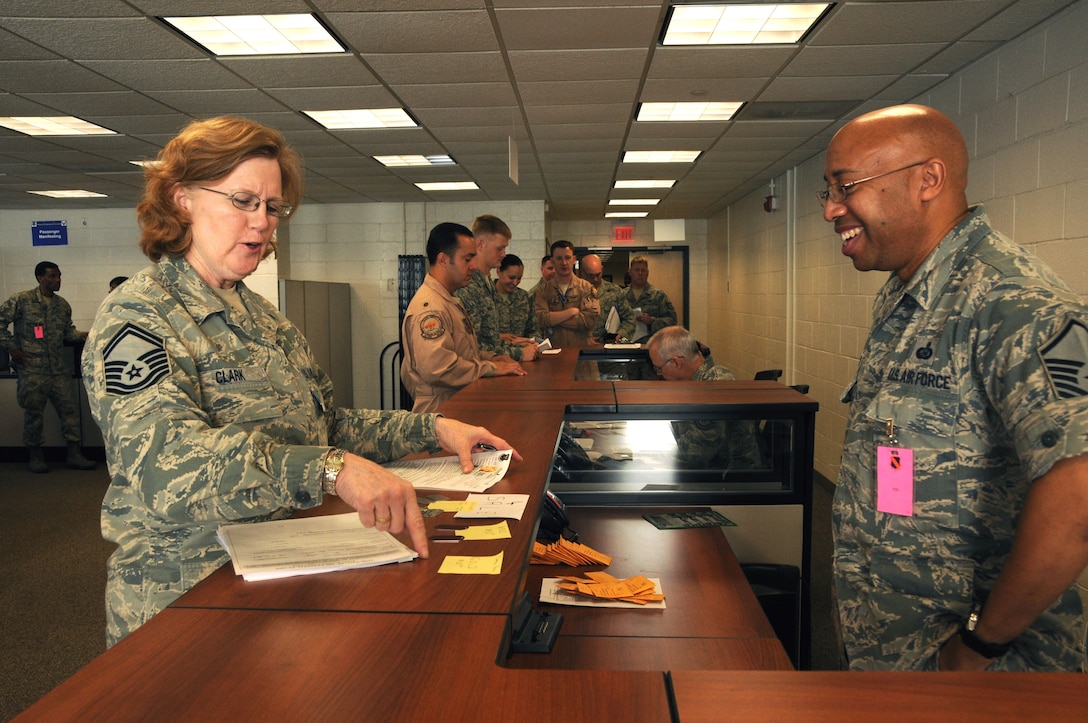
(623, 233)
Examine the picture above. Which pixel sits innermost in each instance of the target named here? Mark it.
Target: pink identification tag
(39, 332)
(895, 480)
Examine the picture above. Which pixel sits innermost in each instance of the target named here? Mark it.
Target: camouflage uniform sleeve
(384, 435)
(664, 313)
(1027, 338)
(166, 447)
(480, 307)
(627, 316)
(8, 311)
(529, 321)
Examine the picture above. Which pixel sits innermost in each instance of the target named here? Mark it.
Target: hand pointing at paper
(461, 439)
(388, 502)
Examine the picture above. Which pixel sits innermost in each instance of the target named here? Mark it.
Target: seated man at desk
(440, 351)
(706, 444)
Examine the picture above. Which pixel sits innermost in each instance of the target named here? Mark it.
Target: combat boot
(37, 461)
(76, 460)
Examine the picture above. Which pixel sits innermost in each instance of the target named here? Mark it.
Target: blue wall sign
(49, 233)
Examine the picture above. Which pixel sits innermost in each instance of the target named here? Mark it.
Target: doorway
(668, 270)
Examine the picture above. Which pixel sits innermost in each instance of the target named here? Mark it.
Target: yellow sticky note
(498, 531)
(464, 565)
(452, 505)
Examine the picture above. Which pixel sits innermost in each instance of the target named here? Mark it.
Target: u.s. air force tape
(135, 359)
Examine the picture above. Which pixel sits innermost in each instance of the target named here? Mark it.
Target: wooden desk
(833, 696)
(712, 620)
(238, 665)
(405, 644)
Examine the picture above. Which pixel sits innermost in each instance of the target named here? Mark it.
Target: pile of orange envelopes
(565, 552)
(602, 586)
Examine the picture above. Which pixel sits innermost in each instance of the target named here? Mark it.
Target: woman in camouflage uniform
(212, 407)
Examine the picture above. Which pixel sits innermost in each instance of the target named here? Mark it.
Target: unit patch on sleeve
(431, 327)
(134, 360)
(1065, 356)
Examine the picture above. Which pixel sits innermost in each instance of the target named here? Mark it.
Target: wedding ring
(382, 520)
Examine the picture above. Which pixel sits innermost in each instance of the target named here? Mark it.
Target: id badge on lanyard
(894, 475)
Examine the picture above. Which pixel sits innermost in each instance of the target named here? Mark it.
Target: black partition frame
(802, 416)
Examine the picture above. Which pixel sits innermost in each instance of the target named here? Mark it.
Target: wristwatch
(334, 462)
(980, 646)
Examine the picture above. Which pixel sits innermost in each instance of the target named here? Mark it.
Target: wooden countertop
(401, 643)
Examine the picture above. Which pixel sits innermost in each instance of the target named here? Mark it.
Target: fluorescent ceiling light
(448, 186)
(627, 214)
(59, 125)
(648, 183)
(69, 194)
(741, 23)
(414, 160)
(362, 118)
(660, 156)
(144, 164)
(258, 34)
(634, 201)
(687, 111)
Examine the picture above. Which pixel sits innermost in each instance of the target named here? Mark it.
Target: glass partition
(683, 455)
(614, 364)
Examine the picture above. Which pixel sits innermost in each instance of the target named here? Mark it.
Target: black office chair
(778, 590)
(768, 375)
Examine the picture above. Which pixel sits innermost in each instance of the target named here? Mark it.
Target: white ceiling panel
(563, 79)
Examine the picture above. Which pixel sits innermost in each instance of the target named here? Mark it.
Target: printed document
(444, 473)
(308, 545)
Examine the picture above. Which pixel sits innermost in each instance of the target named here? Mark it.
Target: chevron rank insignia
(134, 360)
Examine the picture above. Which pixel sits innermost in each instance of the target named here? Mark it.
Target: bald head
(897, 183)
(592, 269)
(905, 134)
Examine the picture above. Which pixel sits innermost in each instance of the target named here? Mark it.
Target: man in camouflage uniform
(566, 306)
(706, 443)
(610, 297)
(42, 322)
(547, 273)
(441, 355)
(962, 501)
(655, 311)
(479, 298)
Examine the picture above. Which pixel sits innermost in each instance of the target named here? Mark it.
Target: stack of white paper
(308, 545)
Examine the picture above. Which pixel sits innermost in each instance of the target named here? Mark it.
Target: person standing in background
(42, 321)
(517, 322)
(566, 306)
(479, 297)
(441, 355)
(610, 297)
(547, 273)
(654, 310)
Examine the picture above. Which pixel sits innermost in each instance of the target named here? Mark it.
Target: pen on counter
(446, 538)
(451, 527)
